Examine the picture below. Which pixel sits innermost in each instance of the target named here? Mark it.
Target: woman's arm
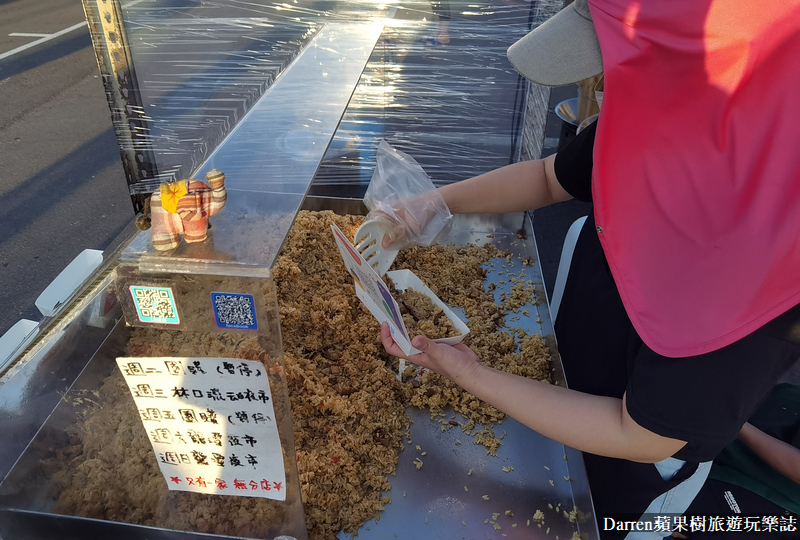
(526, 185)
(595, 424)
(782, 457)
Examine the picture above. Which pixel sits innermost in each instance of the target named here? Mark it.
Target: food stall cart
(289, 101)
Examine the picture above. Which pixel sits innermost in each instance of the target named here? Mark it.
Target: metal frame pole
(131, 122)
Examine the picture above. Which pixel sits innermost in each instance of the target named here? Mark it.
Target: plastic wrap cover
(456, 108)
(269, 166)
(438, 84)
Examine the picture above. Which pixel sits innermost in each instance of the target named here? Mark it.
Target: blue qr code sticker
(155, 305)
(237, 311)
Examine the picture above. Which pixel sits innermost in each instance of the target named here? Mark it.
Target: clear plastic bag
(403, 195)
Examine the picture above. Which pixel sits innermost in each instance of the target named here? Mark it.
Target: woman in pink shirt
(682, 305)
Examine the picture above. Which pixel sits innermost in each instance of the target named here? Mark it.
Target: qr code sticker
(155, 305)
(236, 311)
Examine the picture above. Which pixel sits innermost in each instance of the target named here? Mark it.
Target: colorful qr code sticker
(235, 311)
(155, 305)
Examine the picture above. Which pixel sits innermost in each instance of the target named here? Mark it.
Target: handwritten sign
(211, 423)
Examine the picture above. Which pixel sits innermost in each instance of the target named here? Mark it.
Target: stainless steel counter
(442, 500)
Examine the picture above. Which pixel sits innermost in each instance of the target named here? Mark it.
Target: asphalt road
(62, 188)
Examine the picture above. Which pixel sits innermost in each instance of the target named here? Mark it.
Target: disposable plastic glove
(403, 196)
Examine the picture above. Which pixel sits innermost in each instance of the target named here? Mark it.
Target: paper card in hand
(374, 293)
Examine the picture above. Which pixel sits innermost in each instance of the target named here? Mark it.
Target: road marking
(23, 34)
(47, 37)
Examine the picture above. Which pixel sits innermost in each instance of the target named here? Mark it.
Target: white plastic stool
(563, 265)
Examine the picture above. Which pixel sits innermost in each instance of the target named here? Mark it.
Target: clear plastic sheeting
(198, 76)
(279, 94)
(270, 157)
(278, 147)
(438, 85)
(456, 108)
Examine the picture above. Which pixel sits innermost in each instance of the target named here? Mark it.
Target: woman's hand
(596, 424)
(456, 362)
(403, 197)
(420, 220)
